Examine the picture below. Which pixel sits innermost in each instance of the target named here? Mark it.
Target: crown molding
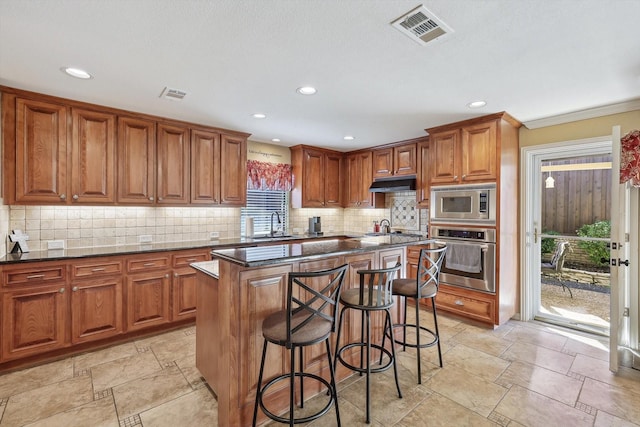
(589, 113)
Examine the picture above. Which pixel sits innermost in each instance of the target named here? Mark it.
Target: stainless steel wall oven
(471, 257)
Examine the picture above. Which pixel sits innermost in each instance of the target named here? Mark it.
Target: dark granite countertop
(235, 242)
(275, 254)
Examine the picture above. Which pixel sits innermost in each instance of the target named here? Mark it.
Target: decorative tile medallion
(404, 213)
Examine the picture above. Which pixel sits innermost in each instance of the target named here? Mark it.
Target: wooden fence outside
(579, 197)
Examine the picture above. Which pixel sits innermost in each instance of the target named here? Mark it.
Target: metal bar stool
(374, 294)
(425, 285)
(310, 318)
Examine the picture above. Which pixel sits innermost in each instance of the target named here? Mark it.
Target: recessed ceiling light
(306, 90)
(77, 73)
(348, 138)
(259, 116)
(477, 104)
(275, 139)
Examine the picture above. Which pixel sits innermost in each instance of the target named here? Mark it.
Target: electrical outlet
(214, 235)
(55, 244)
(145, 238)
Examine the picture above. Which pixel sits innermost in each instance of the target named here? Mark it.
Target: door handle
(535, 235)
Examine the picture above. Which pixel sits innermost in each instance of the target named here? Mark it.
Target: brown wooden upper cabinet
(317, 178)
(46, 163)
(59, 152)
(359, 178)
(464, 154)
(395, 161)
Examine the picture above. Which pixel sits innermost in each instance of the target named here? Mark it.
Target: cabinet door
(383, 163)
(205, 167)
(136, 161)
(366, 198)
(313, 170)
(479, 158)
(34, 321)
(41, 152)
(173, 169)
(96, 309)
(353, 181)
(404, 160)
(183, 294)
(445, 152)
(422, 185)
(93, 153)
(233, 171)
(333, 180)
(147, 300)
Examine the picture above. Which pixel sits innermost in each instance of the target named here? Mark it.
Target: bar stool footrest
(414, 345)
(363, 348)
(306, 419)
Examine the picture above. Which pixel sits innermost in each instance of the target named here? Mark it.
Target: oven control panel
(475, 234)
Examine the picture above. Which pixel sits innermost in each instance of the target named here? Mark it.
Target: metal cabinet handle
(455, 177)
(98, 269)
(166, 276)
(192, 259)
(63, 196)
(159, 199)
(35, 276)
(74, 289)
(148, 264)
(61, 290)
(458, 302)
(175, 274)
(75, 197)
(464, 176)
(151, 198)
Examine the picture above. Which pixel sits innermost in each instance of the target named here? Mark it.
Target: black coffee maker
(315, 227)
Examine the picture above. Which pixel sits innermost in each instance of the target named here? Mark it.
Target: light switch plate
(55, 244)
(145, 238)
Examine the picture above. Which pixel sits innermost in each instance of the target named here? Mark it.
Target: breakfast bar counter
(235, 294)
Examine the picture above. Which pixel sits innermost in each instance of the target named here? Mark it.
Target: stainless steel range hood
(391, 185)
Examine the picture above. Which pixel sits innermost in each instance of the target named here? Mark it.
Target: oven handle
(484, 248)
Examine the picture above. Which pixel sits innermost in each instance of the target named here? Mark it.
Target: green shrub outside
(548, 244)
(596, 250)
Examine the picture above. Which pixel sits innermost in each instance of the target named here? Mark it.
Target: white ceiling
(531, 58)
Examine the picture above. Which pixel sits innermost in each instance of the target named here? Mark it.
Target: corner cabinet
(359, 178)
(317, 178)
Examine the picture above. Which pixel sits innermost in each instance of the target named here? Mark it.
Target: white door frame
(530, 162)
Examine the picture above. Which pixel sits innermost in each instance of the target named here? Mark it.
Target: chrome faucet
(272, 233)
(386, 229)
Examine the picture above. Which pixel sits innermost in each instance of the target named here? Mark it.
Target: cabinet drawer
(148, 263)
(30, 276)
(469, 307)
(183, 260)
(96, 269)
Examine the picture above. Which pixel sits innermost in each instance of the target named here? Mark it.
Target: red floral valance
(268, 176)
(630, 158)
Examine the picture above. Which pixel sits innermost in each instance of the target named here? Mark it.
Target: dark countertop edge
(345, 251)
(233, 242)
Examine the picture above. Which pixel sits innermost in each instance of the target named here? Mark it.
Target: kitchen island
(235, 294)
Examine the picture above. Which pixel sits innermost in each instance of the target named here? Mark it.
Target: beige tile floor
(521, 374)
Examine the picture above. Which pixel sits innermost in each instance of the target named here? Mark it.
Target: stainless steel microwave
(474, 204)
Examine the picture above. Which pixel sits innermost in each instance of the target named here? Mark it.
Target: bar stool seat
(304, 322)
(425, 285)
(373, 294)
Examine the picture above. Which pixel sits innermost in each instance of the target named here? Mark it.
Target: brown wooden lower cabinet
(34, 320)
(96, 309)
(147, 300)
(51, 308)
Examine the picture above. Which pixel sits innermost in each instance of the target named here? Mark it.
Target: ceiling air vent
(173, 94)
(421, 25)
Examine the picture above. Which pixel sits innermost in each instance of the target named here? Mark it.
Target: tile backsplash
(89, 226)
